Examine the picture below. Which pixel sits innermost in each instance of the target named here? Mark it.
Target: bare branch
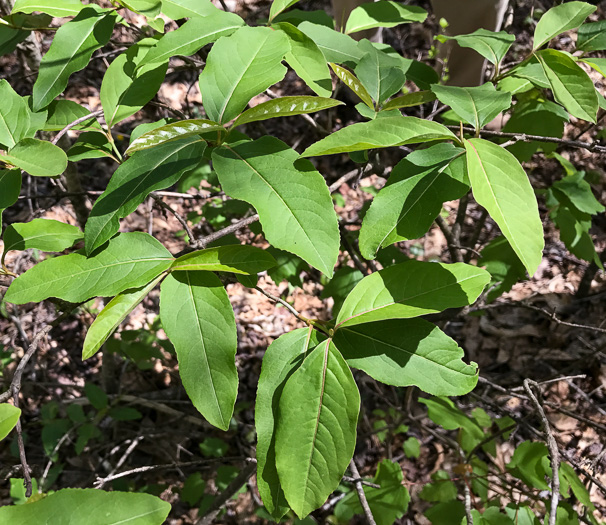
(360, 490)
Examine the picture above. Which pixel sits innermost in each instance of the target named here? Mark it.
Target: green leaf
(408, 204)
(571, 86)
(443, 489)
(177, 9)
(64, 112)
(560, 18)
(112, 316)
(9, 415)
(530, 463)
(292, 199)
(285, 107)
(568, 474)
(578, 191)
(353, 83)
(193, 36)
(90, 145)
(335, 46)
(235, 258)
(410, 289)
(381, 133)
(97, 397)
(532, 71)
(380, 73)
(91, 506)
(148, 8)
(340, 285)
(409, 100)
(307, 60)
(240, 67)
(129, 83)
(173, 131)
(592, 37)
(383, 14)
(505, 267)
(491, 45)
(43, 234)
(139, 175)
(206, 350)
(130, 260)
(10, 37)
(474, 105)
(574, 228)
(412, 448)
(73, 45)
(37, 157)
(14, 116)
(316, 428)
(500, 185)
(281, 359)
(10, 182)
(599, 64)
(404, 352)
(277, 6)
(58, 8)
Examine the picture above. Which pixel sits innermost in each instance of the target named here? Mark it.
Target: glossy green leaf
(491, 45)
(383, 14)
(307, 60)
(407, 205)
(58, 8)
(277, 6)
(404, 352)
(129, 83)
(571, 86)
(9, 415)
(37, 157)
(43, 234)
(381, 133)
(292, 199)
(411, 289)
(64, 112)
(139, 175)
(112, 316)
(592, 37)
(90, 506)
(177, 9)
(474, 105)
(335, 46)
(193, 36)
(353, 83)
(14, 116)
(207, 349)
(409, 100)
(240, 67)
(10, 182)
(379, 73)
(90, 145)
(130, 260)
(73, 45)
(500, 185)
(235, 258)
(173, 131)
(281, 359)
(316, 428)
(560, 18)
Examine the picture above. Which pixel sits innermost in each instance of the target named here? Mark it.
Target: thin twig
(455, 254)
(93, 114)
(177, 216)
(360, 490)
(101, 482)
(281, 301)
(349, 479)
(202, 242)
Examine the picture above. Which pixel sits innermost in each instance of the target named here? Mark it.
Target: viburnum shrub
(308, 403)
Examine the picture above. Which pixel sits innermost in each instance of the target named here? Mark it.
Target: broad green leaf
(353, 83)
(193, 36)
(285, 107)
(10, 182)
(112, 316)
(599, 64)
(409, 100)
(592, 37)
(139, 175)
(278, 6)
(292, 199)
(532, 71)
(177, 9)
(571, 86)
(443, 488)
(446, 513)
(411, 289)
(130, 260)
(37, 157)
(129, 83)
(235, 258)
(383, 14)
(408, 204)
(90, 506)
(578, 191)
(148, 8)
(404, 352)
(521, 514)
(530, 463)
(560, 18)
(10, 37)
(43, 234)
(421, 74)
(340, 285)
(14, 116)
(335, 46)
(316, 428)
(64, 112)
(9, 415)
(173, 131)
(476, 105)
(307, 60)
(515, 85)
(90, 145)
(281, 359)
(491, 45)
(500, 185)
(71, 50)
(240, 67)
(381, 133)
(207, 348)
(568, 474)
(58, 8)
(379, 73)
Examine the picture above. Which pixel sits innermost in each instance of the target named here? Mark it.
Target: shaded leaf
(592, 36)
(90, 145)
(383, 14)
(409, 100)
(504, 266)
(64, 112)
(10, 182)
(235, 258)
